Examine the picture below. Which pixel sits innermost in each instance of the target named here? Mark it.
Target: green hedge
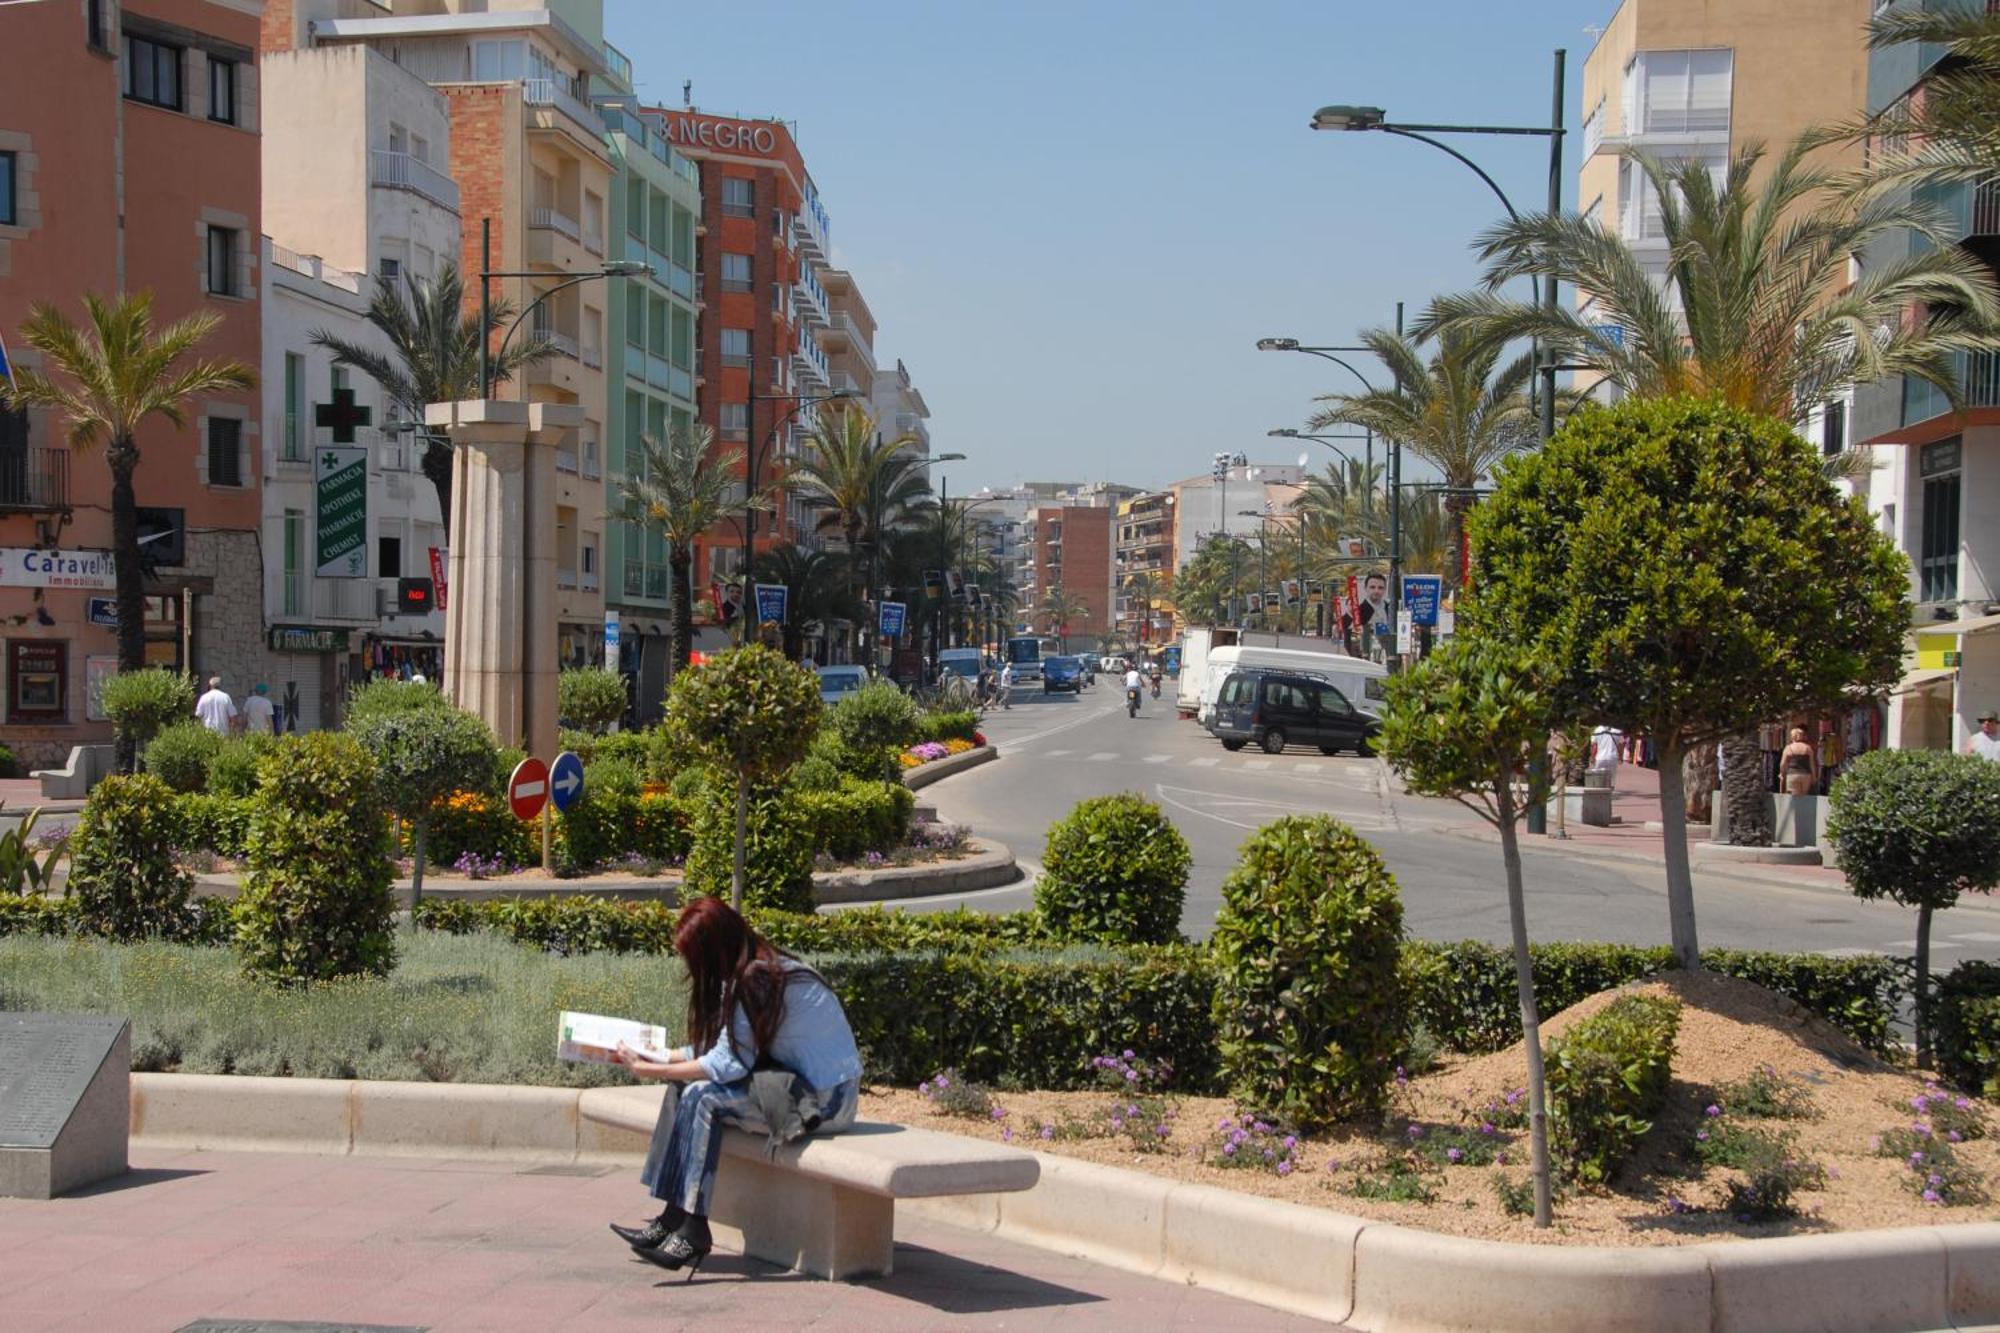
(1607, 1080)
(591, 925)
(858, 817)
(1966, 1018)
(609, 824)
(950, 726)
(221, 824)
(1464, 993)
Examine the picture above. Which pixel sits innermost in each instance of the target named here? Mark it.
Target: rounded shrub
(316, 901)
(591, 699)
(421, 757)
(377, 698)
(233, 770)
(181, 755)
(122, 870)
(1114, 871)
(139, 703)
(863, 733)
(778, 849)
(1308, 999)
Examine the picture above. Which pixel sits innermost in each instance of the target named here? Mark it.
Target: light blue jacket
(814, 1041)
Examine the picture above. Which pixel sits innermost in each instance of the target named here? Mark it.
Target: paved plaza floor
(249, 1240)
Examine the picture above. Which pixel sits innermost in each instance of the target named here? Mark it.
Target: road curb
(1377, 1277)
(923, 775)
(1736, 869)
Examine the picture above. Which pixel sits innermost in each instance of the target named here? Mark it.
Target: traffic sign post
(566, 780)
(528, 788)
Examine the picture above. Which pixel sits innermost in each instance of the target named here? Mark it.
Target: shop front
(389, 657)
(308, 676)
(1952, 676)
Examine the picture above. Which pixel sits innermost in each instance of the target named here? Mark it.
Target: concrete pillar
(500, 637)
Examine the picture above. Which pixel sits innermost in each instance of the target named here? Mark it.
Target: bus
(1026, 652)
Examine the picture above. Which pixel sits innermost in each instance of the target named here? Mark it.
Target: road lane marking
(1209, 762)
(1101, 756)
(1056, 754)
(1308, 768)
(1164, 758)
(1257, 765)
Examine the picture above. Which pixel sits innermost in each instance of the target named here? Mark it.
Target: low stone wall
(925, 774)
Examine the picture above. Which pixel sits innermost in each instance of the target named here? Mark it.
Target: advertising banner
(1421, 595)
(771, 603)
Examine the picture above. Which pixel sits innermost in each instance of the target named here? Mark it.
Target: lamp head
(947, 458)
(1277, 344)
(1283, 433)
(627, 268)
(1348, 118)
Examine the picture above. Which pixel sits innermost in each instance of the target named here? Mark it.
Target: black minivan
(1277, 708)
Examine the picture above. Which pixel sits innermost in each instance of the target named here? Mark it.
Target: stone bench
(86, 764)
(827, 1206)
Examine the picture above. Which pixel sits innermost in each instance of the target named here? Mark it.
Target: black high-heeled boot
(686, 1247)
(654, 1234)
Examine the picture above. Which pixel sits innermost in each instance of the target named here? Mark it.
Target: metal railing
(566, 578)
(34, 477)
(619, 63)
(549, 219)
(562, 342)
(401, 171)
(551, 92)
(592, 357)
(589, 582)
(1978, 375)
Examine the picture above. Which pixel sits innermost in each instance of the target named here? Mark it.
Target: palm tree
(120, 373)
(1058, 608)
(818, 589)
(859, 481)
(433, 357)
(680, 490)
(1454, 411)
(1149, 587)
(1954, 128)
(1209, 582)
(1756, 307)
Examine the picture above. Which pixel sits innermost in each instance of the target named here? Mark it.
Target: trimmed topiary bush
(1308, 998)
(857, 817)
(863, 733)
(139, 703)
(421, 756)
(1608, 1079)
(590, 699)
(1114, 872)
(221, 824)
(961, 724)
(778, 850)
(122, 870)
(233, 770)
(377, 698)
(316, 902)
(1967, 1021)
(181, 754)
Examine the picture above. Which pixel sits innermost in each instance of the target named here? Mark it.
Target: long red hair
(730, 967)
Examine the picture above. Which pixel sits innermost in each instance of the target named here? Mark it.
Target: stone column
(500, 637)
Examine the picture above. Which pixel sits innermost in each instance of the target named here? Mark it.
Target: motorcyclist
(1132, 684)
(1156, 679)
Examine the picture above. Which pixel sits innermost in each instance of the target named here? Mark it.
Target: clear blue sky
(1073, 220)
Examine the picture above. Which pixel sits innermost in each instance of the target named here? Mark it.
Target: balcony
(400, 171)
(809, 229)
(566, 580)
(549, 219)
(592, 357)
(809, 299)
(554, 93)
(1974, 210)
(619, 64)
(810, 363)
(34, 478)
(566, 461)
(563, 343)
(842, 382)
(1978, 375)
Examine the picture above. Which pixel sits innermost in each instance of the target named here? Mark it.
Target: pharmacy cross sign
(341, 415)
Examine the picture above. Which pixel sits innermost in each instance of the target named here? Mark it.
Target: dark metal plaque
(46, 1064)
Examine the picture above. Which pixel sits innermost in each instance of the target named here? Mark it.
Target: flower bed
(931, 751)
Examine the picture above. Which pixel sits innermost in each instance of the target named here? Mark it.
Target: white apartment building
(355, 197)
(898, 408)
(1212, 506)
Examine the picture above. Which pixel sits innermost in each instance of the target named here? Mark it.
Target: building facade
(1073, 553)
(129, 161)
(1144, 567)
(1213, 505)
(900, 408)
(849, 337)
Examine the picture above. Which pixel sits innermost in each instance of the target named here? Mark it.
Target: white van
(1356, 677)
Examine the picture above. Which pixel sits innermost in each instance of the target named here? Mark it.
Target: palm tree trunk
(437, 467)
(680, 564)
(123, 459)
(1743, 791)
(1455, 506)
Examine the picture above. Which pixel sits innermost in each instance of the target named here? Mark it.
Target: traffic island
(938, 769)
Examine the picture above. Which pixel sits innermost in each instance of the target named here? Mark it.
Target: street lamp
(613, 268)
(1220, 471)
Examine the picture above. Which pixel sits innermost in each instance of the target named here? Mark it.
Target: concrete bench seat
(79, 773)
(827, 1206)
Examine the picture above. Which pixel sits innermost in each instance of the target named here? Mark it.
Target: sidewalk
(1636, 836)
(23, 794)
(478, 1244)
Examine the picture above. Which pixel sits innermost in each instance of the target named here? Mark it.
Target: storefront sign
(104, 611)
(307, 639)
(1936, 652)
(1944, 456)
(31, 567)
(696, 131)
(341, 482)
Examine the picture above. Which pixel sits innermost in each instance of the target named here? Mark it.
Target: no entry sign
(528, 788)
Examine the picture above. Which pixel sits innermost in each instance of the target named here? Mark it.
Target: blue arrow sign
(566, 780)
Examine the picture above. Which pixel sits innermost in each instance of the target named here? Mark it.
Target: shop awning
(1924, 678)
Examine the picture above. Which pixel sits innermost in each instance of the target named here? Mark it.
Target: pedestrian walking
(1985, 742)
(215, 709)
(1006, 684)
(1798, 765)
(259, 714)
(1605, 743)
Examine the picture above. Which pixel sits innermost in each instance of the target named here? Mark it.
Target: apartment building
(1145, 548)
(1935, 485)
(1215, 505)
(762, 304)
(129, 161)
(357, 201)
(528, 153)
(1073, 552)
(849, 337)
(900, 408)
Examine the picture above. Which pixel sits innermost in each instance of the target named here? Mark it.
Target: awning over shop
(1924, 678)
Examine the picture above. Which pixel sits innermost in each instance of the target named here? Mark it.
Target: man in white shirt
(1132, 680)
(258, 712)
(216, 710)
(1985, 742)
(1605, 743)
(1006, 684)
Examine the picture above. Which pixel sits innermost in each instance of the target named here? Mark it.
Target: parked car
(1062, 673)
(837, 682)
(1280, 708)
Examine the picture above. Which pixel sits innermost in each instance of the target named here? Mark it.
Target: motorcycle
(1156, 687)
(1132, 702)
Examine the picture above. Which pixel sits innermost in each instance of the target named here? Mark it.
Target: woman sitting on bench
(776, 1055)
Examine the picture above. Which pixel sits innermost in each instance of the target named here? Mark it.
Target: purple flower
(1963, 1104)
(1285, 1167)
(1500, 1157)
(1416, 1131)
(1229, 1150)
(1934, 1180)
(1701, 1135)
(999, 1113)
(1048, 1131)
(1712, 1111)
(1131, 1076)
(1916, 1159)
(1007, 1136)
(1955, 1136)
(1932, 1196)
(1291, 1141)
(1401, 1076)
(1332, 1165)
(1488, 1130)
(1454, 1155)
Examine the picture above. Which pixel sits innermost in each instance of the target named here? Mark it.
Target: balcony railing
(563, 343)
(810, 297)
(34, 477)
(549, 219)
(619, 64)
(1978, 375)
(566, 461)
(552, 92)
(589, 582)
(566, 578)
(400, 171)
(592, 357)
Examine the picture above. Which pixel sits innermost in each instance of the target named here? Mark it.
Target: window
(1937, 564)
(225, 451)
(1833, 429)
(736, 347)
(9, 190)
(420, 148)
(295, 407)
(1679, 92)
(37, 670)
(735, 273)
(222, 90)
(93, 22)
(222, 242)
(295, 545)
(739, 197)
(1331, 700)
(152, 72)
(736, 418)
(389, 269)
(389, 557)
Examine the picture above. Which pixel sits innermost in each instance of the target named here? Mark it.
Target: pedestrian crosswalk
(1340, 770)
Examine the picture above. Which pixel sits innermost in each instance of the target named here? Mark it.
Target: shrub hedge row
(1607, 1080)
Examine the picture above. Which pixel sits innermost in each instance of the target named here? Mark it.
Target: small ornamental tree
(422, 756)
(749, 713)
(1466, 724)
(591, 700)
(140, 703)
(1918, 827)
(1114, 872)
(1685, 570)
(377, 697)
